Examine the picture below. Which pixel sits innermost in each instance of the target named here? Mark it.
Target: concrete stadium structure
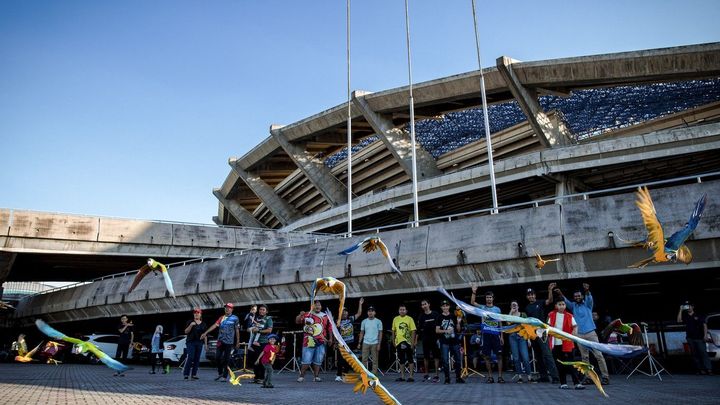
(565, 188)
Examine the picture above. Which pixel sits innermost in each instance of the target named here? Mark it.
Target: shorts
(405, 353)
(314, 355)
(491, 344)
(430, 348)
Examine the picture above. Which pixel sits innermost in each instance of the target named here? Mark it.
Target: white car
(106, 343)
(174, 349)
(713, 348)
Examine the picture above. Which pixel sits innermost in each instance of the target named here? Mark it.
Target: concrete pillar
(243, 216)
(550, 135)
(332, 189)
(397, 141)
(6, 263)
(282, 210)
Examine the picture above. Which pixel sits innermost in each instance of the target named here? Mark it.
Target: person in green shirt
(403, 335)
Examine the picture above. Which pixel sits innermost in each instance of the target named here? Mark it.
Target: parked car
(713, 348)
(174, 350)
(106, 343)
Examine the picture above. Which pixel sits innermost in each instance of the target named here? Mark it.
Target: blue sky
(132, 108)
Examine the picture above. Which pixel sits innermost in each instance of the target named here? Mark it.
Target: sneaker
(489, 380)
(301, 379)
(436, 379)
(579, 387)
(195, 377)
(339, 379)
(564, 387)
(516, 378)
(426, 378)
(605, 381)
(116, 374)
(459, 381)
(269, 386)
(222, 379)
(317, 379)
(447, 381)
(410, 379)
(152, 372)
(501, 380)
(185, 378)
(400, 379)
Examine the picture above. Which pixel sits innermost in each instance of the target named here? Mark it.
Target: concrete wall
(428, 256)
(25, 231)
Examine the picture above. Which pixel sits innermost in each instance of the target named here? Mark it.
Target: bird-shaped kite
(370, 244)
(631, 329)
(330, 285)
(542, 329)
(51, 349)
(82, 346)
(155, 266)
(362, 377)
(235, 379)
(5, 305)
(672, 248)
(588, 370)
(540, 262)
(27, 357)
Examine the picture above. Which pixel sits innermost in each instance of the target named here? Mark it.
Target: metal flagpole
(349, 129)
(416, 213)
(488, 141)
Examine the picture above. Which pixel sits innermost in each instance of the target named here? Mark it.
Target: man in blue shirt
(492, 336)
(228, 338)
(582, 307)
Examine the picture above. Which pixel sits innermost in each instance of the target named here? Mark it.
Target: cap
(371, 308)
(272, 335)
(444, 302)
(530, 290)
(229, 305)
(198, 310)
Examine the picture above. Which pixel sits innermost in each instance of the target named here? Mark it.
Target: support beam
(550, 135)
(282, 210)
(397, 141)
(238, 211)
(6, 263)
(334, 191)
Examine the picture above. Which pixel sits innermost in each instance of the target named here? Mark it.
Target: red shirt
(268, 354)
(315, 327)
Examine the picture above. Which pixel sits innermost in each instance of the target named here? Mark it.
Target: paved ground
(90, 384)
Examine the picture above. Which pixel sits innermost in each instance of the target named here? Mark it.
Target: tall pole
(416, 214)
(488, 141)
(349, 129)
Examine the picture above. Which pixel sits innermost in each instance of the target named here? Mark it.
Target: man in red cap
(228, 337)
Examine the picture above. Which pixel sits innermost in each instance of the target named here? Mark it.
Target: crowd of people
(445, 340)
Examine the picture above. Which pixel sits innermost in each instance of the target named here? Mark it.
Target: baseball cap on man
(444, 302)
(371, 308)
(197, 310)
(229, 305)
(530, 291)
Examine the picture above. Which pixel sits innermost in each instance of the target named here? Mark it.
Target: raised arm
(474, 293)
(358, 314)
(551, 287)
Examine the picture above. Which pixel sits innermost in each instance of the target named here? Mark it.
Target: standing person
(194, 329)
(317, 333)
(403, 335)
(427, 322)
(562, 349)
(519, 349)
(156, 351)
(127, 336)
(267, 359)
(492, 336)
(263, 327)
(347, 331)
(696, 335)
(581, 308)
(449, 328)
(228, 338)
(542, 353)
(20, 346)
(370, 339)
(248, 324)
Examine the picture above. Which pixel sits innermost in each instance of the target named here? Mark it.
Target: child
(250, 323)
(268, 358)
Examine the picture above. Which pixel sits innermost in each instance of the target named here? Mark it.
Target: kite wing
(587, 370)
(386, 253)
(612, 350)
(84, 346)
(168, 282)
(144, 270)
(370, 244)
(678, 238)
(354, 247)
(330, 285)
